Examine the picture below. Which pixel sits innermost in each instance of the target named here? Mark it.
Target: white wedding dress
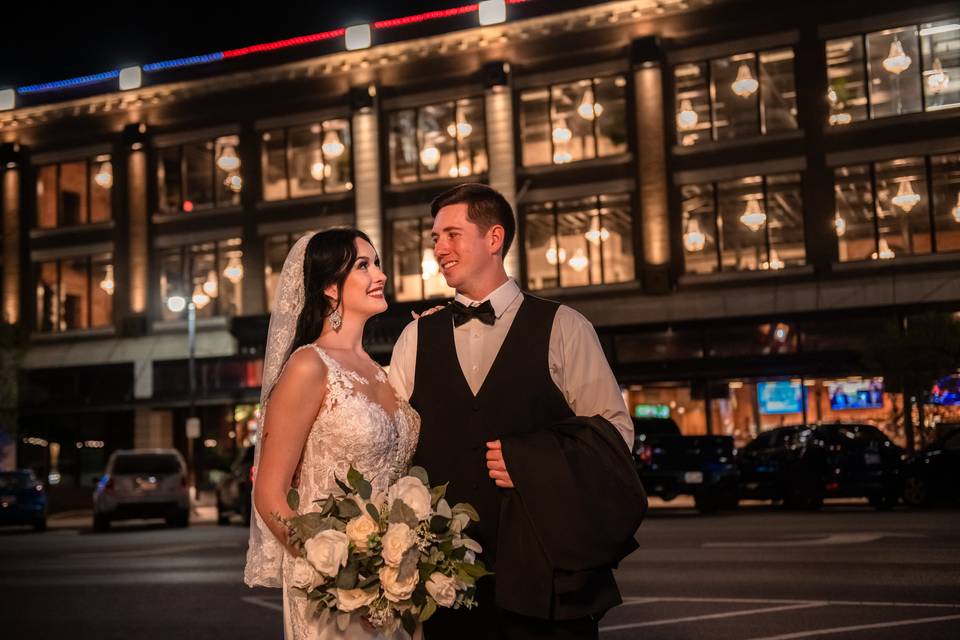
(351, 428)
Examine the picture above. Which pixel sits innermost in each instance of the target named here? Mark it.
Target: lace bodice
(352, 428)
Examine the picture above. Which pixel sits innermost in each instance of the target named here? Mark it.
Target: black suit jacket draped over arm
(569, 521)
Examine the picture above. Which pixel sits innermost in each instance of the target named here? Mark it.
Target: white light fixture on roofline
(130, 78)
(8, 99)
(358, 36)
(492, 12)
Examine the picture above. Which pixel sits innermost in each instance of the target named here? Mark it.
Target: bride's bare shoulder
(305, 365)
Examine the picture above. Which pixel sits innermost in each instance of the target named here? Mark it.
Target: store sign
(651, 411)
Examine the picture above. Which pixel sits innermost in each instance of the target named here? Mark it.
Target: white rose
(328, 551)
(414, 495)
(304, 576)
(353, 599)
(442, 588)
(398, 585)
(360, 529)
(396, 541)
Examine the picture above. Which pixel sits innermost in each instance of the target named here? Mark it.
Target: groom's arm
(403, 362)
(580, 370)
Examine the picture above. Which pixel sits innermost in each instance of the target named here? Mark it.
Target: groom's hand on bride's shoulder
(497, 467)
(428, 312)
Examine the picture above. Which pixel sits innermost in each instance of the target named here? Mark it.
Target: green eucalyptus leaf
(293, 499)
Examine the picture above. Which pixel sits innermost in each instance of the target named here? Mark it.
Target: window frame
(551, 125)
(707, 63)
(186, 274)
(598, 249)
(874, 194)
(89, 260)
(415, 108)
(287, 151)
(89, 162)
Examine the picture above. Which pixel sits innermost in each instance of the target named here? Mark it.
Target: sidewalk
(204, 511)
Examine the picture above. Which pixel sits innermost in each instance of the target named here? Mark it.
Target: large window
(200, 175)
(74, 193)
(306, 160)
(444, 140)
(743, 225)
(416, 273)
(210, 274)
(575, 243)
(277, 248)
(574, 121)
(74, 293)
(895, 71)
(883, 209)
(739, 96)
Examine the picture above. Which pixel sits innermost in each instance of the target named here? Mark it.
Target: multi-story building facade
(740, 199)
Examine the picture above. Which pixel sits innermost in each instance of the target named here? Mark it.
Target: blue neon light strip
(82, 81)
(183, 62)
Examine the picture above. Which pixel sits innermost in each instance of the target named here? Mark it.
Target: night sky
(43, 42)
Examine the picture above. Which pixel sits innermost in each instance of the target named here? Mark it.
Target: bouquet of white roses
(390, 558)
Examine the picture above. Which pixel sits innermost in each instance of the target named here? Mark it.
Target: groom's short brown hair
(485, 207)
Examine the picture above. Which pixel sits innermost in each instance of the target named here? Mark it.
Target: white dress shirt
(577, 363)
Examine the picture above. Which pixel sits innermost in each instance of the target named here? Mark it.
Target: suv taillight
(109, 486)
(645, 454)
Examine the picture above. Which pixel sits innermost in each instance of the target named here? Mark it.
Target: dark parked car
(802, 465)
(233, 492)
(23, 499)
(671, 464)
(934, 473)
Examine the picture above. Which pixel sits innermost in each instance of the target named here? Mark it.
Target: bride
(330, 406)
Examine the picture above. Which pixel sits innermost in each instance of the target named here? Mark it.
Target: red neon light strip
(281, 44)
(423, 17)
(432, 15)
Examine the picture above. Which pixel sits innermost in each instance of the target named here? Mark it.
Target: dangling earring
(336, 320)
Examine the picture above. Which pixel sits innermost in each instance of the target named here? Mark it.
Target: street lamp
(176, 304)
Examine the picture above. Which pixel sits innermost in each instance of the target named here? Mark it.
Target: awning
(211, 343)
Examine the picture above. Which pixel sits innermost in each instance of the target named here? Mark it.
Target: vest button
(476, 407)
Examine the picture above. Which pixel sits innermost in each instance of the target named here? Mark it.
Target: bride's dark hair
(328, 259)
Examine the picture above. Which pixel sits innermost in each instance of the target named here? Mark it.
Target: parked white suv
(143, 483)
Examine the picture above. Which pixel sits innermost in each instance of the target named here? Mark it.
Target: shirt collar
(500, 298)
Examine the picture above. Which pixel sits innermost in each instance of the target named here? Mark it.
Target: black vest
(517, 396)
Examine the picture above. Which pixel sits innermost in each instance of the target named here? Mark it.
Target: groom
(495, 363)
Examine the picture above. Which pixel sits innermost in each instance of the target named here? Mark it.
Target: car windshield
(14, 481)
(146, 463)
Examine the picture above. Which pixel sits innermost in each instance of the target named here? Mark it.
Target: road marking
(139, 553)
(714, 616)
(840, 603)
(263, 601)
(860, 627)
(827, 540)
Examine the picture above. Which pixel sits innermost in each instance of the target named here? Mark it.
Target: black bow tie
(483, 312)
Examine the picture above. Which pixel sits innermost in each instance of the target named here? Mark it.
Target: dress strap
(327, 359)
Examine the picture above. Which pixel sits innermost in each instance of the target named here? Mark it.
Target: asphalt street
(758, 573)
